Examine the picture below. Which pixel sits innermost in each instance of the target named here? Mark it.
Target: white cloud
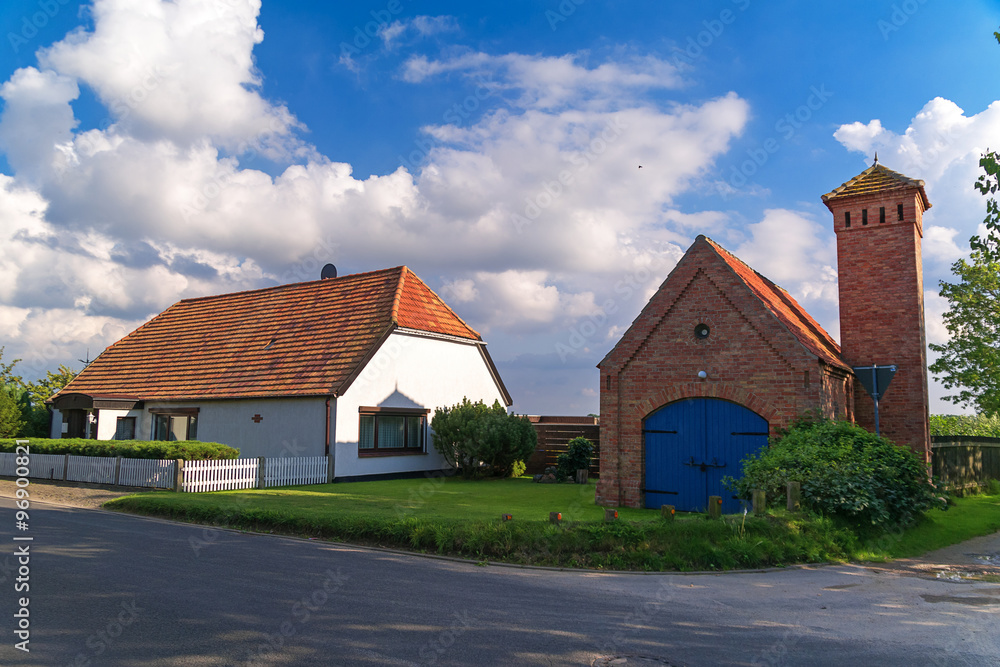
(179, 70)
(532, 214)
(941, 146)
(554, 81)
(417, 27)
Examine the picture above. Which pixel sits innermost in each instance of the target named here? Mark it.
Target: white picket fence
(196, 476)
(40, 466)
(92, 469)
(220, 475)
(299, 470)
(151, 473)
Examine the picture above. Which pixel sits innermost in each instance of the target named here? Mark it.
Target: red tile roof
(293, 340)
(785, 308)
(877, 178)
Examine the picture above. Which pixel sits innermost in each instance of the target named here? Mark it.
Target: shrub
(481, 440)
(577, 456)
(844, 471)
(189, 450)
(968, 425)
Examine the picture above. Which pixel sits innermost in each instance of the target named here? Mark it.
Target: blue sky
(155, 151)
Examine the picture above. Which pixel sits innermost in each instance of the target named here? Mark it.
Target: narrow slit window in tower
(847, 218)
(899, 212)
(805, 379)
(881, 215)
(864, 216)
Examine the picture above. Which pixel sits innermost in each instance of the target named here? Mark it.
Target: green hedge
(969, 425)
(189, 450)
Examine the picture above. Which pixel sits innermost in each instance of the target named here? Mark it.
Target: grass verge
(462, 518)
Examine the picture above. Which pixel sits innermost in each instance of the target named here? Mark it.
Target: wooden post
(759, 502)
(555, 517)
(178, 475)
(610, 514)
(261, 469)
(714, 507)
(66, 468)
(667, 512)
(794, 496)
(581, 475)
(118, 469)
(330, 472)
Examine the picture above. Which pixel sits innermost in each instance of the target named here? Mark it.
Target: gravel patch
(74, 494)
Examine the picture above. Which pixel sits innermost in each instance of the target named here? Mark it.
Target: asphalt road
(108, 589)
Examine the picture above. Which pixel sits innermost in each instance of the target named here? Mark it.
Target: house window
(175, 424)
(125, 428)
(384, 432)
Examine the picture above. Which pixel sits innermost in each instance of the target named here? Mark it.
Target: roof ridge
(399, 294)
(902, 179)
(282, 286)
(800, 314)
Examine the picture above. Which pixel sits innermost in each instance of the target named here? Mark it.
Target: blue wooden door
(691, 445)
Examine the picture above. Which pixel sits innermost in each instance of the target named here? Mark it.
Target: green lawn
(462, 518)
(438, 499)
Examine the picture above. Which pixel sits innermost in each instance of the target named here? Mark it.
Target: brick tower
(878, 218)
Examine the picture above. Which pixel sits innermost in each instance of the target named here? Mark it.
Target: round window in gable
(701, 331)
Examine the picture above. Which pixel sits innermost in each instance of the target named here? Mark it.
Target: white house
(350, 367)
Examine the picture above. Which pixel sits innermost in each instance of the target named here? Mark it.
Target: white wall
(288, 426)
(56, 425)
(107, 423)
(410, 371)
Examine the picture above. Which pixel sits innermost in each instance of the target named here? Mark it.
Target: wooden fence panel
(554, 435)
(963, 461)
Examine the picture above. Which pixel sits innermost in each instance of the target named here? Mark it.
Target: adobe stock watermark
(703, 40)
(455, 115)
(301, 612)
(99, 642)
(582, 333)
(552, 190)
(122, 107)
(562, 12)
(786, 127)
(363, 35)
(900, 16)
(439, 645)
(33, 22)
(248, 150)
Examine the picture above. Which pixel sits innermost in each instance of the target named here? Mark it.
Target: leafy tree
(43, 389)
(11, 421)
(970, 360)
(7, 371)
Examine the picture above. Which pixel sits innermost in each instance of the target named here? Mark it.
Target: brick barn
(721, 357)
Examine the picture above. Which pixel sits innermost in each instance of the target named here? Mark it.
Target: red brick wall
(882, 308)
(749, 356)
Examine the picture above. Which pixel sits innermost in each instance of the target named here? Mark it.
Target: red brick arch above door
(676, 392)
